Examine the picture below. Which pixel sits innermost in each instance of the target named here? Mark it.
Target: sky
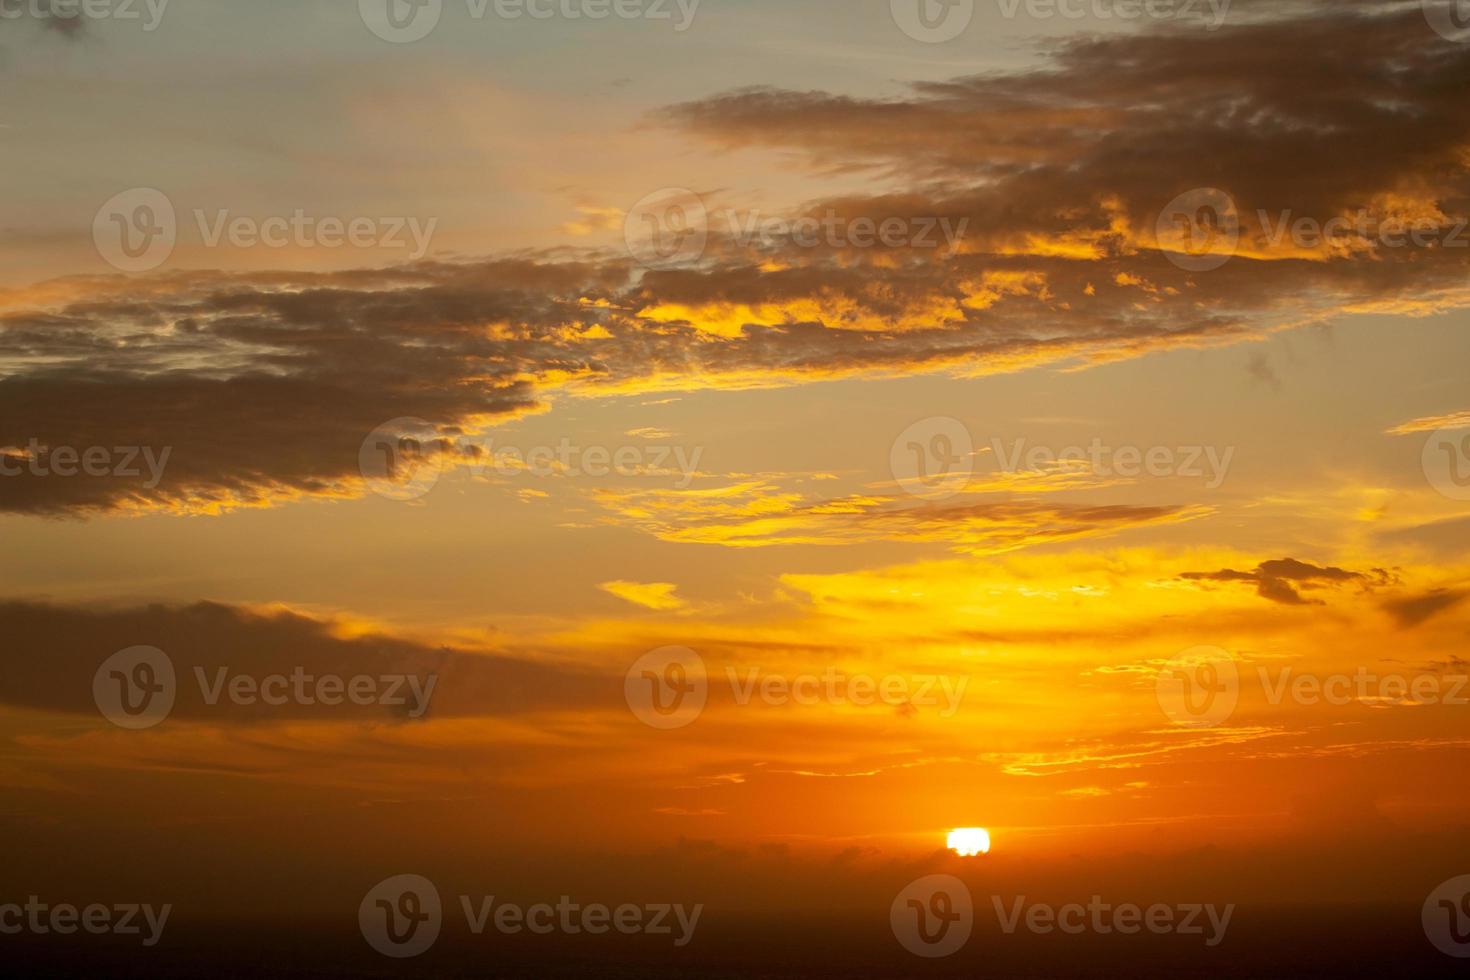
(1153, 387)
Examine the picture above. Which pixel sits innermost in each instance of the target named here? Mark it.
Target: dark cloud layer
(265, 385)
(52, 654)
(1281, 579)
(1413, 610)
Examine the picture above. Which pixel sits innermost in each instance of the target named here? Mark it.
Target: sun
(969, 841)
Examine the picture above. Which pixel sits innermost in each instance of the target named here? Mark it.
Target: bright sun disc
(969, 841)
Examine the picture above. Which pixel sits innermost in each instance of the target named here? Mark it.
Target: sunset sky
(1307, 510)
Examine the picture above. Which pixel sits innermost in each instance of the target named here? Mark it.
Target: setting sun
(603, 486)
(969, 841)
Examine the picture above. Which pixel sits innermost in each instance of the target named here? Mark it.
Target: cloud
(1413, 610)
(651, 595)
(53, 652)
(765, 512)
(1431, 423)
(594, 219)
(266, 384)
(1280, 579)
(649, 432)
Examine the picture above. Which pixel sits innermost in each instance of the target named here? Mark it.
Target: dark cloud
(52, 654)
(1281, 579)
(265, 385)
(761, 514)
(1413, 610)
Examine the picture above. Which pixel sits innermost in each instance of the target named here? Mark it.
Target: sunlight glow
(969, 841)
